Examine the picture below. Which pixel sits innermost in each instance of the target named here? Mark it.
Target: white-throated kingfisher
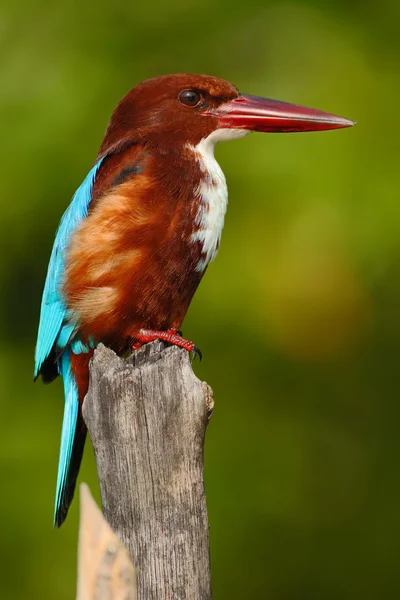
(141, 230)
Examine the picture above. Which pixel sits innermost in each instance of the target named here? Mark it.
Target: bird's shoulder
(120, 168)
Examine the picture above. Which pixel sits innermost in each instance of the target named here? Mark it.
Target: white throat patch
(212, 194)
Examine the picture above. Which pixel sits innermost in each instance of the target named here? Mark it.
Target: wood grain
(147, 418)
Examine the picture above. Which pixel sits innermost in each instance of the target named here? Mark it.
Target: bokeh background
(298, 319)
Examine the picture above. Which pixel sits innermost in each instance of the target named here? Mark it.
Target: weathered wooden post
(147, 418)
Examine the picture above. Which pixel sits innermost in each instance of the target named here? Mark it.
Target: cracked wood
(147, 418)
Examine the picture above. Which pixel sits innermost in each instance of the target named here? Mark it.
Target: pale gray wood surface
(105, 570)
(147, 418)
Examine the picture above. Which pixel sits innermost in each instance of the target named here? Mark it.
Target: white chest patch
(212, 195)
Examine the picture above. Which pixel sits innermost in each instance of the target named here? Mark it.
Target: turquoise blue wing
(53, 328)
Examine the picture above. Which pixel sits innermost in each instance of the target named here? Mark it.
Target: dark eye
(189, 97)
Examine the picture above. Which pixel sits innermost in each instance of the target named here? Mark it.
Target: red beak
(262, 114)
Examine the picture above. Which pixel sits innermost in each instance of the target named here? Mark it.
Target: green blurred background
(298, 319)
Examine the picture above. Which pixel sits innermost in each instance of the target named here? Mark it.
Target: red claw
(171, 336)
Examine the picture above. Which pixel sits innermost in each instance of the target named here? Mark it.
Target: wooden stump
(147, 418)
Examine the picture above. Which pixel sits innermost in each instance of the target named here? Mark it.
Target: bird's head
(172, 110)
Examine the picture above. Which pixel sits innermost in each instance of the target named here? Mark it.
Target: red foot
(172, 336)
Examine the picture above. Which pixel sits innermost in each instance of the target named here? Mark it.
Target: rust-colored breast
(131, 263)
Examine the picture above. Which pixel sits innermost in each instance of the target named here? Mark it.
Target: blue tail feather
(73, 437)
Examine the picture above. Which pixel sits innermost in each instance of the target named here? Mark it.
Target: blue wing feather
(56, 332)
(53, 329)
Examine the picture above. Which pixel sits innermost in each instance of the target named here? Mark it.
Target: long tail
(73, 437)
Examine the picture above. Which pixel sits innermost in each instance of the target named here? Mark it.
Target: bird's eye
(189, 98)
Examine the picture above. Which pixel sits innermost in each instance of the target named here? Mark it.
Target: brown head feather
(152, 115)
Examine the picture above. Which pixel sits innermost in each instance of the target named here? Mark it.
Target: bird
(141, 231)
